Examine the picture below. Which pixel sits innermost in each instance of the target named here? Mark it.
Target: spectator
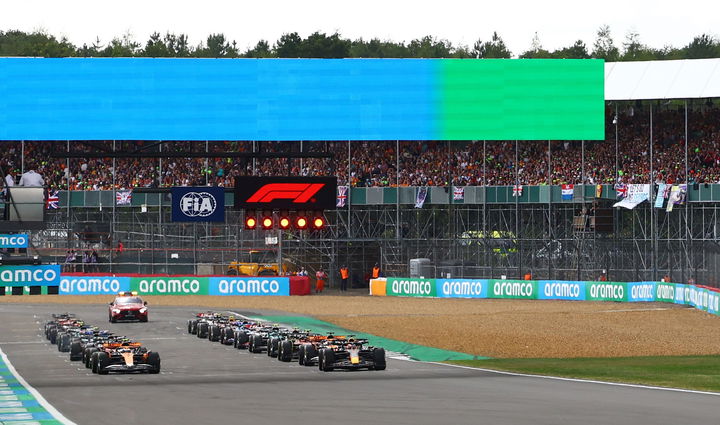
(31, 179)
(120, 247)
(375, 271)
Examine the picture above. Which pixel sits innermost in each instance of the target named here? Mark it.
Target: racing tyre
(301, 355)
(202, 330)
(228, 336)
(379, 359)
(154, 360)
(76, 351)
(103, 361)
(310, 353)
(327, 358)
(241, 338)
(192, 327)
(144, 319)
(94, 362)
(88, 356)
(52, 335)
(273, 345)
(214, 335)
(286, 351)
(64, 343)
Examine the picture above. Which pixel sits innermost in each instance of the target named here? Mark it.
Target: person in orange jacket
(321, 276)
(375, 271)
(344, 277)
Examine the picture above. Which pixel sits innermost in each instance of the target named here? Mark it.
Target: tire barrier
(700, 297)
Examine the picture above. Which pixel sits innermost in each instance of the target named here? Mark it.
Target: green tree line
(322, 45)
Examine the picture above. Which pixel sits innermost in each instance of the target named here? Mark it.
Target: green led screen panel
(300, 99)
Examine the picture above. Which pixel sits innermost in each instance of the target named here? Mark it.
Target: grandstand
(488, 233)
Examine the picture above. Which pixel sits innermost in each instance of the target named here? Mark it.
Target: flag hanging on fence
(621, 189)
(517, 190)
(123, 197)
(420, 197)
(53, 201)
(341, 196)
(660, 196)
(567, 191)
(458, 193)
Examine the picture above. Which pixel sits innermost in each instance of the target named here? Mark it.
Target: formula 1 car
(350, 354)
(128, 306)
(124, 357)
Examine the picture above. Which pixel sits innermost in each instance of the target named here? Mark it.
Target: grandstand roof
(676, 79)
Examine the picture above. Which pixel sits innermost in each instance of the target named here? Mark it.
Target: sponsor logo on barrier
(513, 289)
(559, 290)
(14, 241)
(665, 292)
(412, 287)
(30, 275)
(459, 288)
(713, 302)
(249, 286)
(606, 291)
(184, 285)
(93, 285)
(641, 291)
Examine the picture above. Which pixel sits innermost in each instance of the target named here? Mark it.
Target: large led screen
(300, 99)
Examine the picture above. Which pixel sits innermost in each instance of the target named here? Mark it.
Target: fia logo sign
(198, 204)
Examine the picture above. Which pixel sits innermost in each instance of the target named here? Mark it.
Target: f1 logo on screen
(298, 192)
(198, 204)
(291, 192)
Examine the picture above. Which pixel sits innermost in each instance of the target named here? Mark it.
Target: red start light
(284, 223)
(318, 222)
(250, 222)
(267, 223)
(301, 223)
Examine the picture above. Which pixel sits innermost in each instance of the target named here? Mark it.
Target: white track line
(40, 399)
(558, 378)
(402, 357)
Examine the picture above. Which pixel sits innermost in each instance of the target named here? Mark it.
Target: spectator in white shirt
(31, 179)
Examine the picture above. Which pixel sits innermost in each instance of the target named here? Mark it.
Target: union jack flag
(621, 189)
(517, 190)
(341, 196)
(53, 201)
(123, 197)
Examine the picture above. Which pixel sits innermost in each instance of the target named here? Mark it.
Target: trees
(495, 48)
(702, 46)
(604, 47)
(536, 50)
(576, 51)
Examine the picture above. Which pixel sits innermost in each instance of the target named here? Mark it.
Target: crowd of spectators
(419, 163)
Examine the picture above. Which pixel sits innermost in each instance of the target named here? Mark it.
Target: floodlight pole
(653, 226)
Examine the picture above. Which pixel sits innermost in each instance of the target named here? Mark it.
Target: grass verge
(689, 372)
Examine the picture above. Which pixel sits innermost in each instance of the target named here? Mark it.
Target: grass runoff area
(690, 372)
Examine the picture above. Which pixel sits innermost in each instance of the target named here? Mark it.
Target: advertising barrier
(561, 290)
(516, 289)
(172, 285)
(14, 241)
(411, 287)
(93, 285)
(462, 288)
(30, 275)
(702, 298)
(266, 285)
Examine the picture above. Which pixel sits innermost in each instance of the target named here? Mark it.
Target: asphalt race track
(203, 383)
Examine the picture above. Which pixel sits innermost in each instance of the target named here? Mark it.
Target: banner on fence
(561, 290)
(14, 241)
(606, 291)
(518, 289)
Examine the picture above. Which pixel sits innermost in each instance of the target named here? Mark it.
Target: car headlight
(143, 310)
(116, 311)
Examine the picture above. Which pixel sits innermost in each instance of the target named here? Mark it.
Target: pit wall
(83, 284)
(702, 298)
